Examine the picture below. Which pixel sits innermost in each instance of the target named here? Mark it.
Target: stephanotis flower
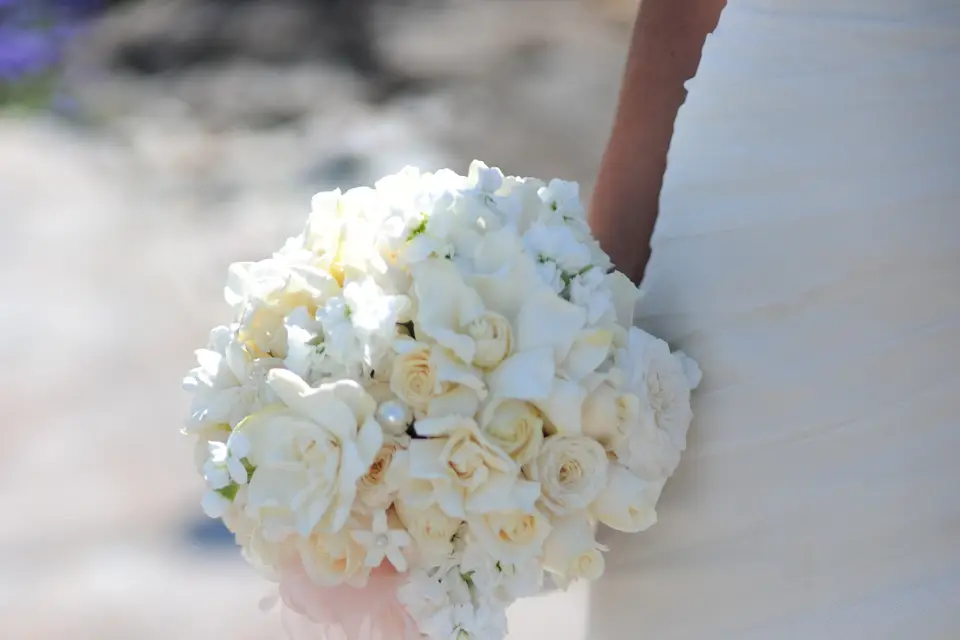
(383, 542)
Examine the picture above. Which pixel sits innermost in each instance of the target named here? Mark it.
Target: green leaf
(229, 492)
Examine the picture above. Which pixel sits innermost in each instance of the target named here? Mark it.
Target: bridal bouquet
(427, 401)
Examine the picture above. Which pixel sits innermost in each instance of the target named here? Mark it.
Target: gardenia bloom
(571, 471)
(309, 455)
(662, 381)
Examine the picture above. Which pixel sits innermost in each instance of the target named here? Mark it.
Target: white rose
(571, 552)
(309, 455)
(331, 559)
(431, 529)
(493, 337)
(627, 503)
(466, 472)
(515, 426)
(571, 471)
(510, 536)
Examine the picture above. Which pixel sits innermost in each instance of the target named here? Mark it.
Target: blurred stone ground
(116, 236)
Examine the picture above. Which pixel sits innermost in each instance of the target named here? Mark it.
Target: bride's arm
(664, 53)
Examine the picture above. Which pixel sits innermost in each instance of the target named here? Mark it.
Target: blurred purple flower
(34, 34)
(24, 53)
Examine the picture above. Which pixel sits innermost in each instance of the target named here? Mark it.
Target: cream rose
(374, 491)
(432, 382)
(466, 472)
(331, 559)
(571, 552)
(493, 337)
(627, 503)
(515, 426)
(571, 471)
(309, 455)
(414, 378)
(510, 536)
(430, 528)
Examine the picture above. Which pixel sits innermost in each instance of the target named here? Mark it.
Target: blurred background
(145, 145)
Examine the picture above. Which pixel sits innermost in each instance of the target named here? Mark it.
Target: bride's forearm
(664, 53)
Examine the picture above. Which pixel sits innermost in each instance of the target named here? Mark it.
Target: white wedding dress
(807, 254)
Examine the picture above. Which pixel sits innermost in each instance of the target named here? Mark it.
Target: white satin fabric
(808, 256)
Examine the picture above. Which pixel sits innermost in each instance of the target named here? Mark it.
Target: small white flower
(214, 504)
(306, 355)
(339, 336)
(383, 542)
(483, 178)
(264, 293)
(548, 243)
(587, 289)
(498, 578)
(228, 385)
(225, 464)
(563, 197)
(374, 315)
